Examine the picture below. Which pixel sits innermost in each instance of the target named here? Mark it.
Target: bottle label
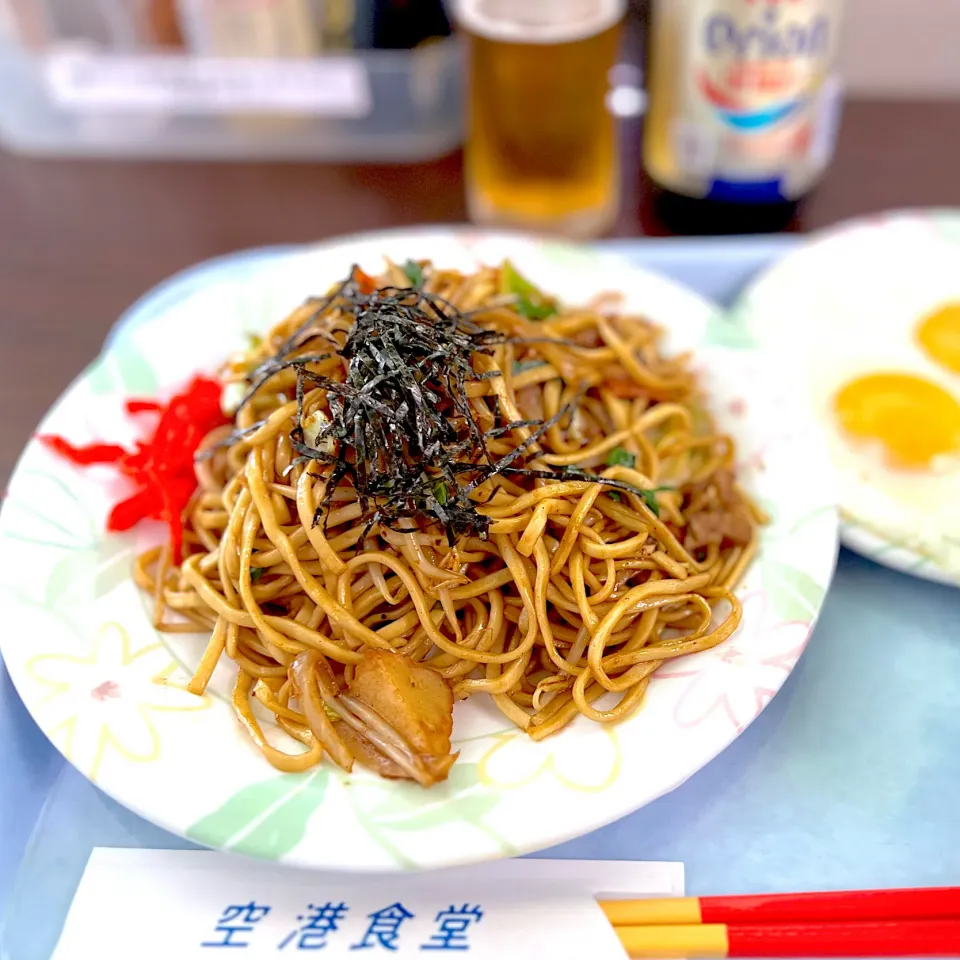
(756, 101)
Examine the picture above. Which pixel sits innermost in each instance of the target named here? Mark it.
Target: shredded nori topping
(403, 431)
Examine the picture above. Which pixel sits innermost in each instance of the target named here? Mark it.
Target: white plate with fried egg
(866, 318)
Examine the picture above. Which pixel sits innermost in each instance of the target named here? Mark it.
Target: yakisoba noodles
(479, 493)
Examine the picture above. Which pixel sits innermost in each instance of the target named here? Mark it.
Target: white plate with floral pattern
(105, 687)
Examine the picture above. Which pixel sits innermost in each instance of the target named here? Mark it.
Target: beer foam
(538, 21)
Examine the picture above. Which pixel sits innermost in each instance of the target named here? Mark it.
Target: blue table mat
(850, 778)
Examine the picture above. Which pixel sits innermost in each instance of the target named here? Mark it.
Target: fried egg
(866, 320)
(892, 415)
(938, 335)
(915, 421)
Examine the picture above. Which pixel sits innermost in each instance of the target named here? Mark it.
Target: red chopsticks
(873, 938)
(931, 903)
(854, 923)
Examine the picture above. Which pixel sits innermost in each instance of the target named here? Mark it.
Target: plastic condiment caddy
(87, 97)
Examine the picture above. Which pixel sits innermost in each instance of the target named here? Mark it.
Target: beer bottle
(743, 110)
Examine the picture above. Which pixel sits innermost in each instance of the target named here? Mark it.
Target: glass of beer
(541, 145)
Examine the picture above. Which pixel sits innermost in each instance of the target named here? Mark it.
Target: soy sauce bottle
(743, 110)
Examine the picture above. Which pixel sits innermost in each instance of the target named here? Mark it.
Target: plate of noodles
(412, 550)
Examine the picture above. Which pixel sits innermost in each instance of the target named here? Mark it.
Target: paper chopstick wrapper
(185, 904)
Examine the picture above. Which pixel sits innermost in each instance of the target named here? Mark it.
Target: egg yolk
(939, 336)
(915, 420)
